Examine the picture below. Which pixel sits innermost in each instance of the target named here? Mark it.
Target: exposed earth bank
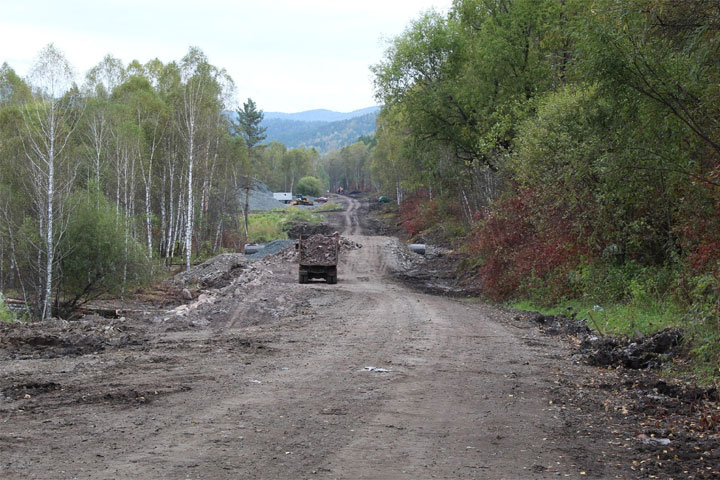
(256, 376)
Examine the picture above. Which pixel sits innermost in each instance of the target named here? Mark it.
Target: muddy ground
(252, 375)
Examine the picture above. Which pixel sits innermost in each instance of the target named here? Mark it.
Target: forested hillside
(324, 136)
(573, 146)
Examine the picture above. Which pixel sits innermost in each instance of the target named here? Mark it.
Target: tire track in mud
(352, 222)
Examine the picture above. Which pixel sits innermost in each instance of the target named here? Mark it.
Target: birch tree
(48, 124)
(199, 96)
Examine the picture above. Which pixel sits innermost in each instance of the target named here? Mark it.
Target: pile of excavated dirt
(269, 248)
(211, 273)
(647, 351)
(318, 250)
(560, 325)
(261, 197)
(347, 244)
(60, 338)
(256, 293)
(434, 272)
(378, 221)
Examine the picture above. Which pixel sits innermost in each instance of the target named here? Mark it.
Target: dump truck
(318, 257)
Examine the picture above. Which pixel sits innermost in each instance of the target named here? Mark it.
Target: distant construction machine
(301, 200)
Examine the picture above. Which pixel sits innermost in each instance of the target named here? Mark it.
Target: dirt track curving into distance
(456, 390)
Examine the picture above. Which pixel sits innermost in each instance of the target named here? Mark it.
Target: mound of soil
(649, 351)
(347, 244)
(60, 338)
(212, 273)
(434, 272)
(560, 325)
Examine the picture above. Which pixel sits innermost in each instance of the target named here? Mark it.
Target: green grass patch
(296, 214)
(6, 315)
(614, 319)
(701, 332)
(265, 227)
(329, 207)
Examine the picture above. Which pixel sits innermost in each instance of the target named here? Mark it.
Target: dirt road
(365, 379)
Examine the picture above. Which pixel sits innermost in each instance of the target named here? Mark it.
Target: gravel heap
(261, 197)
(209, 272)
(269, 248)
(347, 244)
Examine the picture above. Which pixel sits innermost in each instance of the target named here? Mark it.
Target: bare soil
(260, 377)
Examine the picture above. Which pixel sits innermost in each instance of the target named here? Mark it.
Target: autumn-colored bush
(523, 253)
(418, 213)
(700, 237)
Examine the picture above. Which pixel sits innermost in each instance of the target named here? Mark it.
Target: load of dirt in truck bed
(307, 229)
(319, 250)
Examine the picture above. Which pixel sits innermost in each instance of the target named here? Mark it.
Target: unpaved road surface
(272, 382)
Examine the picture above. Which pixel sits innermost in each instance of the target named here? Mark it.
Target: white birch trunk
(50, 220)
(189, 216)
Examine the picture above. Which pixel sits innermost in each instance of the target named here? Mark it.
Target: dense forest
(572, 148)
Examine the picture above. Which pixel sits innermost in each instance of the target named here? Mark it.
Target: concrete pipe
(418, 248)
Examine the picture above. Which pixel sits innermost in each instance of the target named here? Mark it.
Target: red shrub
(700, 237)
(521, 239)
(418, 213)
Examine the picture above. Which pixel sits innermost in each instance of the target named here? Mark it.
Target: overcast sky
(286, 55)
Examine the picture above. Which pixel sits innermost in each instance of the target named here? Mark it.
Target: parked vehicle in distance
(284, 197)
(321, 199)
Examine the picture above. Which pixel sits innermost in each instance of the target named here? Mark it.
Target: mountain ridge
(322, 135)
(320, 115)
